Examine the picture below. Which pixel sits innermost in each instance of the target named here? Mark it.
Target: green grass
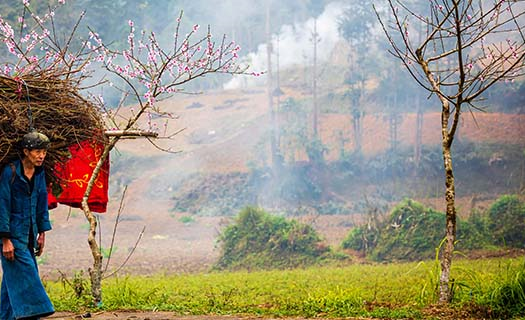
(370, 290)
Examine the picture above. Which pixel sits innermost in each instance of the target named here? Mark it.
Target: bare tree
(356, 26)
(468, 47)
(151, 72)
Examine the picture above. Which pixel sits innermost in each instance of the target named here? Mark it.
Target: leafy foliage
(507, 221)
(260, 240)
(412, 232)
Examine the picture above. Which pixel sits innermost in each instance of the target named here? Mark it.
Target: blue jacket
(22, 211)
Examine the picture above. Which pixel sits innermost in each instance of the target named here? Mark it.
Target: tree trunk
(393, 129)
(274, 148)
(445, 294)
(95, 273)
(356, 122)
(314, 85)
(419, 138)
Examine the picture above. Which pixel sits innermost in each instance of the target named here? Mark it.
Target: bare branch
(129, 255)
(131, 133)
(117, 220)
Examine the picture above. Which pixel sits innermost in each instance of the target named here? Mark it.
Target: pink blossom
(6, 29)
(25, 38)
(130, 23)
(7, 69)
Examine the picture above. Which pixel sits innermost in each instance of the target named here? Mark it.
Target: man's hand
(8, 250)
(41, 241)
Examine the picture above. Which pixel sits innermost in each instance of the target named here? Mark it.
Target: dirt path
(116, 315)
(134, 315)
(130, 315)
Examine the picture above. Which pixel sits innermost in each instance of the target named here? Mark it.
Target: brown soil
(432, 312)
(221, 136)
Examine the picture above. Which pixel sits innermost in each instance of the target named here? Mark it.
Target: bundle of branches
(51, 103)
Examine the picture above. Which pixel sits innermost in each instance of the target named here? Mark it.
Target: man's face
(36, 156)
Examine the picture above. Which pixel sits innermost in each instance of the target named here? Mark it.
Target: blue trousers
(22, 294)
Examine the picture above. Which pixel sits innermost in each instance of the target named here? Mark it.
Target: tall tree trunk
(356, 123)
(419, 137)
(269, 87)
(314, 86)
(278, 105)
(447, 135)
(445, 294)
(95, 273)
(393, 124)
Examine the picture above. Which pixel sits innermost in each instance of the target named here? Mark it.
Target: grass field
(404, 290)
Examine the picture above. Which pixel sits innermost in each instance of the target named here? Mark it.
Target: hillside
(222, 134)
(220, 130)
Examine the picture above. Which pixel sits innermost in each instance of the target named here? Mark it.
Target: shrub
(411, 232)
(258, 240)
(360, 239)
(507, 221)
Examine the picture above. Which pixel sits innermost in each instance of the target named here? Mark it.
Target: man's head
(34, 146)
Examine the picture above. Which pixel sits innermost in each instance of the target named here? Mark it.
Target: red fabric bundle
(75, 175)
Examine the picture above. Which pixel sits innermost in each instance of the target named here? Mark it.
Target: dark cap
(34, 140)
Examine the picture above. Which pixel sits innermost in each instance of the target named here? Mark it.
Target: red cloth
(75, 175)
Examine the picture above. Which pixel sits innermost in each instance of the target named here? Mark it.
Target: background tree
(270, 88)
(468, 47)
(356, 27)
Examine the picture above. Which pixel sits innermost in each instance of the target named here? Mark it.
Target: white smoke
(294, 44)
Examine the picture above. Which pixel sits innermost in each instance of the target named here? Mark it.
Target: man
(24, 219)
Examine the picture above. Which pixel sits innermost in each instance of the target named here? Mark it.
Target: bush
(258, 240)
(361, 239)
(507, 221)
(412, 232)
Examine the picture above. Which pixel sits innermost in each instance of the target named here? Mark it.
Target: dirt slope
(222, 134)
